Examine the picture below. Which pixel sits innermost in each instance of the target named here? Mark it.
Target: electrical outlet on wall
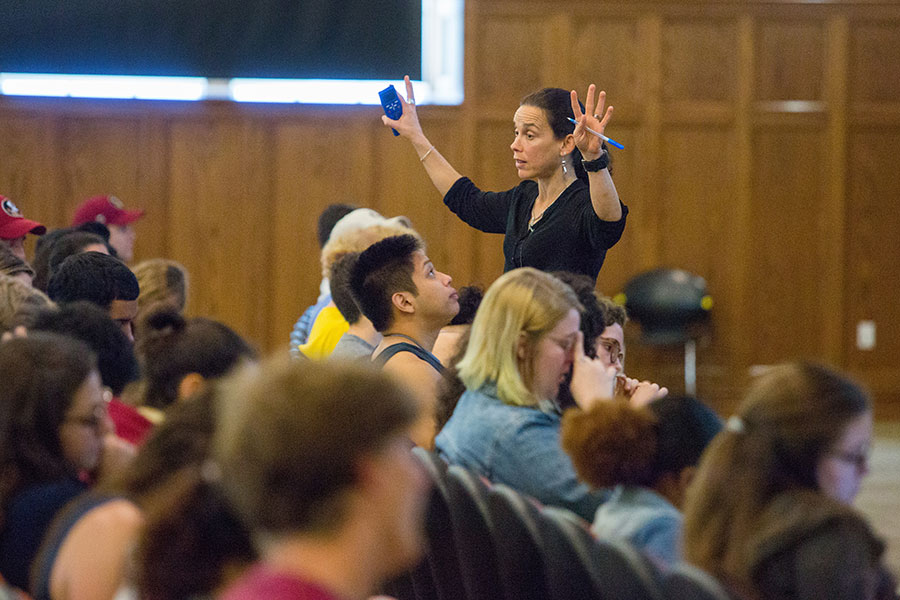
(865, 335)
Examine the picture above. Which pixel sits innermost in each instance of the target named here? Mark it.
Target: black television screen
(299, 39)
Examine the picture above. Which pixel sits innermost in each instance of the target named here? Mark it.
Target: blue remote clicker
(391, 103)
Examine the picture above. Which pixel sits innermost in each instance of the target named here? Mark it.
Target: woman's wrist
(597, 164)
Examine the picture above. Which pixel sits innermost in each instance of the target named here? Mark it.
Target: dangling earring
(565, 170)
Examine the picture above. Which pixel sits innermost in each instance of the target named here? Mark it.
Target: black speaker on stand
(671, 306)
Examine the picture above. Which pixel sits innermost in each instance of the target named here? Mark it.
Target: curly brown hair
(611, 443)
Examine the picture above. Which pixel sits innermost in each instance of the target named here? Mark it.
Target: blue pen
(601, 136)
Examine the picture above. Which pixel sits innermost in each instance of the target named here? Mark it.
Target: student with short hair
(361, 338)
(75, 242)
(116, 361)
(648, 455)
(316, 462)
(101, 279)
(408, 301)
(326, 222)
(89, 323)
(329, 325)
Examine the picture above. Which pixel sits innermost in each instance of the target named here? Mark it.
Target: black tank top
(390, 351)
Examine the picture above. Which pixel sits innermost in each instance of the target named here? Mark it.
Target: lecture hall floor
(879, 499)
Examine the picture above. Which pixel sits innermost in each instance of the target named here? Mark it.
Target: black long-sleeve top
(568, 237)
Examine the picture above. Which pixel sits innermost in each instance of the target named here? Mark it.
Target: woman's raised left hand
(594, 118)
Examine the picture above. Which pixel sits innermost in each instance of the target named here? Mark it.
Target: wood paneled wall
(762, 141)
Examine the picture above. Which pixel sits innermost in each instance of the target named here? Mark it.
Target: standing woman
(566, 213)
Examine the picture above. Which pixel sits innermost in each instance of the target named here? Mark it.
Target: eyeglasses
(95, 420)
(98, 416)
(567, 343)
(614, 349)
(859, 459)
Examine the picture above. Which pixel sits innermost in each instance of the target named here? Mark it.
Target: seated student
(14, 227)
(601, 323)
(327, 219)
(75, 242)
(19, 303)
(53, 425)
(329, 325)
(15, 267)
(649, 454)
(41, 262)
(181, 356)
(110, 211)
(361, 338)
(115, 358)
(100, 279)
(162, 281)
(408, 301)
(769, 512)
(161, 529)
(611, 347)
(447, 343)
(316, 461)
(506, 426)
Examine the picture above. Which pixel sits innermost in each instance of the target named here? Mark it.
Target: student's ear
(522, 346)
(686, 476)
(190, 384)
(404, 302)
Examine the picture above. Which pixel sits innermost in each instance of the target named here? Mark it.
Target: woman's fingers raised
(576, 107)
(410, 95)
(589, 100)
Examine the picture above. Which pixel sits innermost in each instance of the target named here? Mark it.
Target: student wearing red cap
(14, 227)
(110, 211)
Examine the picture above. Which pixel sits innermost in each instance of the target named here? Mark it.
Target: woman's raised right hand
(408, 124)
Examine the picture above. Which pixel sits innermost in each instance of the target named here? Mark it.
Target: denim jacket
(517, 446)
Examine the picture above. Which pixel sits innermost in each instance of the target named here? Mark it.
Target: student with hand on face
(506, 426)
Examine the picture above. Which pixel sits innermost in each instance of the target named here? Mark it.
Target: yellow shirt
(326, 331)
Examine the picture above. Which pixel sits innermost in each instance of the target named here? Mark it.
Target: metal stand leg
(690, 367)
